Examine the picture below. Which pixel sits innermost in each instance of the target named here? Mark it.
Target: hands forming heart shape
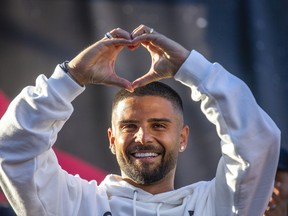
(96, 63)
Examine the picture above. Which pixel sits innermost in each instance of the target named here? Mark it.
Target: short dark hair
(152, 89)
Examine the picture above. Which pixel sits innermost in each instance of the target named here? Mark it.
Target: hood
(122, 189)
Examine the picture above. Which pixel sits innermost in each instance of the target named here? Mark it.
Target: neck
(164, 185)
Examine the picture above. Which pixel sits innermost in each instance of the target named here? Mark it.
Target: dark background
(249, 38)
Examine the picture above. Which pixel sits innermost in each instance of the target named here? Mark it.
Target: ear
(111, 140)
(184, 136)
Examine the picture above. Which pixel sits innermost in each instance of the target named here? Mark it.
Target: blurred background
(249, 38)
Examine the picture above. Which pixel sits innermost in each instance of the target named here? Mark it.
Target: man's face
(146, 136)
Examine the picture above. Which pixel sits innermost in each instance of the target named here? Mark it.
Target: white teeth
(148, 154)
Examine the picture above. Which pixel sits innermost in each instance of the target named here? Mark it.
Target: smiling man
(146, 135)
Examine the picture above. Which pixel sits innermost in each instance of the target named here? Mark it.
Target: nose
(143, 136)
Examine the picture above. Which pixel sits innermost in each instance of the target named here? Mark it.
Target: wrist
(65, 67)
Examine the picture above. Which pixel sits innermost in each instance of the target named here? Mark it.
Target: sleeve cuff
(194, 70)
(65, 85)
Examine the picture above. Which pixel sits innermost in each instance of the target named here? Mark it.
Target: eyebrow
(149, 120)
(160, 120)
(127, 122)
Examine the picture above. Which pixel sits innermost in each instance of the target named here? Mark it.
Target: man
(278, 204)
(146, 135)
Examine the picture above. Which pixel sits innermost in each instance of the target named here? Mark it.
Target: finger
(275, 198)
(145, 32)
(136, 30)
(153, 49)
(142, 30)
(145, 35)
(276, 191)
(273, 202)
(148, 42)
(107, 42)
(145, 79)
(137, 43)
(120, 82)
(118, 33)
(134, 47)
(146, 39)
(117, 42)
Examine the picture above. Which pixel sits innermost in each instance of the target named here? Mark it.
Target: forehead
(140, 105)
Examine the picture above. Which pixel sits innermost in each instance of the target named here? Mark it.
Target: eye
(128, 127)
(159, 126)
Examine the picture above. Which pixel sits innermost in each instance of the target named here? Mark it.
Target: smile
(146, 154)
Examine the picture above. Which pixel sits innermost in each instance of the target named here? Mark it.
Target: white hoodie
(36, 185)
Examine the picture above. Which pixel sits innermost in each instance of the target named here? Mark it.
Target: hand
(277, 206)
(167, 55)
(96, 63)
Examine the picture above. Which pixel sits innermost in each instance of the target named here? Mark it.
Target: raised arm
(30, 175)
(250, 140)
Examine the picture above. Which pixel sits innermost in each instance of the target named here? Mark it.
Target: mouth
(146, 157)
(145, 154)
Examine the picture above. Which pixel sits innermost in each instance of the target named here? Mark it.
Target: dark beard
(143, 174)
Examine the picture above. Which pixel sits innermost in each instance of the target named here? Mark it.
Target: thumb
(149, 77)
(121, 82)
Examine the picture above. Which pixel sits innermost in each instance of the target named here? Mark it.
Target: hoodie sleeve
(30, 175)
(250, 140)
